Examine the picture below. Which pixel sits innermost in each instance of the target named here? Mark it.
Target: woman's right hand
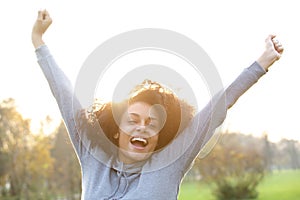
(40, 26)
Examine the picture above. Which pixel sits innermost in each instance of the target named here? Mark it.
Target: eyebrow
(137, 115)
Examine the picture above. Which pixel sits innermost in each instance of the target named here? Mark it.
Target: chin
(131, 157)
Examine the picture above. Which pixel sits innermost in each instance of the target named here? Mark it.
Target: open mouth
(139, 142)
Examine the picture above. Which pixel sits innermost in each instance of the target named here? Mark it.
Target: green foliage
(35, 166)
(278, 185)
(235, 167)
(14, 132)
(234, 190)
(67, 176)
(38, 166)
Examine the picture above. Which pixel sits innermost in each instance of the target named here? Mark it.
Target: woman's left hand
(272, 53)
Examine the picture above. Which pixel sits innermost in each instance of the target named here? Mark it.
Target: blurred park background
(257, 155)
(44, 166)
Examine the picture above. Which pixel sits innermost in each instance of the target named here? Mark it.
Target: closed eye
(153, 124)
(132, 122)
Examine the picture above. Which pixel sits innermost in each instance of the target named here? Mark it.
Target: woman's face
(138, 129)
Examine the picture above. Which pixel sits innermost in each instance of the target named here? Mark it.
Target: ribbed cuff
(256, 69)
(42, 51)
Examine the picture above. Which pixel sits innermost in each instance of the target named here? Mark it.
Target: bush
(234, 167)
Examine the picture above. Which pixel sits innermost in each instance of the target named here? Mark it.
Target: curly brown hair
(108, 115)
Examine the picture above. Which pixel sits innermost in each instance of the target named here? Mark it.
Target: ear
(116, 135)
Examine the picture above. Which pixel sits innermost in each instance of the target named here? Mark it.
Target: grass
(279, 185)
(194, 191)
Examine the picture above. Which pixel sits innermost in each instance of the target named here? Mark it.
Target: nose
(141, 128)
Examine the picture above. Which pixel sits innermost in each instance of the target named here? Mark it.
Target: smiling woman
(145, 122)
(140, 148)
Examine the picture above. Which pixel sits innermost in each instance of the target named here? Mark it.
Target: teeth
(138, 139)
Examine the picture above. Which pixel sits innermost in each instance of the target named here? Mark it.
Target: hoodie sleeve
(62, 91)
(214, 113)
(187, 145)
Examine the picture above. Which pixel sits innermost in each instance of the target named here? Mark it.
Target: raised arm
(40, 27)
(227, 98)
(202, 127)
(215, 112)
(62, 90)
(59, 83)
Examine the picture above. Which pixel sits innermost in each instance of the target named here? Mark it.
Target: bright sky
(232, 32)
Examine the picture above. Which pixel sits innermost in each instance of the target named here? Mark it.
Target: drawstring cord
(116, 189)
(126, 186)
(119, 173)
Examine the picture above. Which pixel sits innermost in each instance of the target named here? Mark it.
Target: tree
(268, 152)
(67, 176)
(291, 153)
(26, 162)
(234, 166)
(40, 167)
(14, 131)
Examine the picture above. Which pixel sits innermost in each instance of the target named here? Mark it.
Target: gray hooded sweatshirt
(158, 178)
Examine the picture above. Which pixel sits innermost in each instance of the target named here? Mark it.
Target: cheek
(154, 141)
(125, 127)
(123, 139)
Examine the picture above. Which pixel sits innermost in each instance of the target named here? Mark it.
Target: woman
(140, 149)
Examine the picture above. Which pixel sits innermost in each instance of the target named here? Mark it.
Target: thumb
(269, 40)
(40, 15)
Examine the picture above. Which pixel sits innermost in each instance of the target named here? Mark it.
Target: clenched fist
(40, 26)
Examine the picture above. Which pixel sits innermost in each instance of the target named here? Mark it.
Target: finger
(269, 41)
(46, 14)
(40, 15)
(275, 42)
(278, 52)
(277, 45)
(270, 37)
(279, 49)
